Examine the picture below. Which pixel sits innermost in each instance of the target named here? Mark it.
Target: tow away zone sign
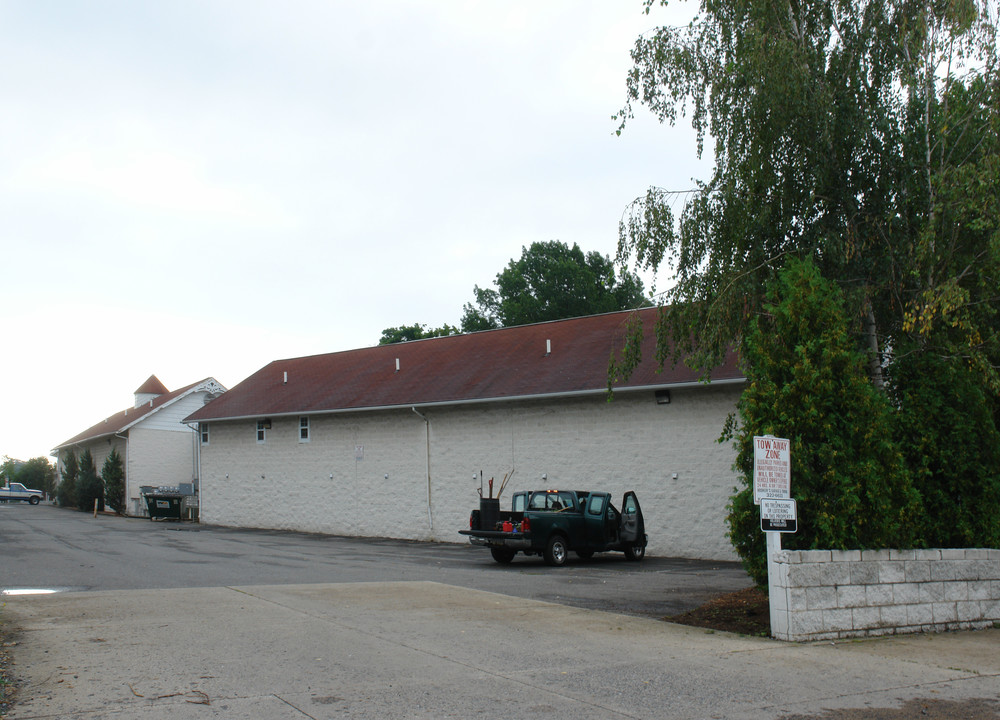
(772, 468)
(778, 515)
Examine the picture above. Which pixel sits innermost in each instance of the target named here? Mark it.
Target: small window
(204, 433)
(304, 429)
(261, 432)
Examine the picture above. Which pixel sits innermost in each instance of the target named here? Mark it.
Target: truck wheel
(33, 500)
(556, 551)
(503, 555)
(635, 552)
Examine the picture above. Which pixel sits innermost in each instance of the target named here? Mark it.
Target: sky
(193, 189)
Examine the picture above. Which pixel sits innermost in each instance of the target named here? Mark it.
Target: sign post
(772, 480)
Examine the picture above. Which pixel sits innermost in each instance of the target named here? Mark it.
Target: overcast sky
(192, 189)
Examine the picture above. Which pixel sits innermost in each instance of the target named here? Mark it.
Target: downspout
(427, 426)
(197, 461)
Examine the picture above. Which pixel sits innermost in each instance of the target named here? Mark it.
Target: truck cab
(15, 492)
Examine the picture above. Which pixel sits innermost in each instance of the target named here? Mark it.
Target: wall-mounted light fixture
(662, 397)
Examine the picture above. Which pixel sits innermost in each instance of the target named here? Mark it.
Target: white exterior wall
(580, 444)
(156, 457)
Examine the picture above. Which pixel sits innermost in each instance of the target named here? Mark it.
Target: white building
(391, 441)
(156, 447)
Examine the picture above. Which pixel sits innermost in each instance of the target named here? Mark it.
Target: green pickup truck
(552, 523)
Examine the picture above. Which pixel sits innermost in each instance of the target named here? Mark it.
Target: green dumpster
(163, 506)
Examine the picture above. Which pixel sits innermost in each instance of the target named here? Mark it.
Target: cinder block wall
(369, 473)
(824, 594)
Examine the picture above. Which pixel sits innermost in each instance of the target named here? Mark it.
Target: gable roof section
(504, 364)
(122, 421)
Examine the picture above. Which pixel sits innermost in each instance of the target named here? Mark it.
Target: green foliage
(405, 333)
(66, 492)
(552, 281)
(807, 382)
(948, 431)
(113, 476)
(88, 484)
(865, 133)
(39, 474)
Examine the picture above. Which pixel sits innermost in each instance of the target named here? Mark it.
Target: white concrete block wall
(823, 594)
(159, 458)
(631, 443)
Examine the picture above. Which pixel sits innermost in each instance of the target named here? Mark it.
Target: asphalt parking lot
(50, 547)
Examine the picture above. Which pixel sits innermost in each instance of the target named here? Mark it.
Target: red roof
(122, 420)
(152, 386)
(508, 363)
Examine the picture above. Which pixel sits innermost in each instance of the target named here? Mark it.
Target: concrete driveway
(429, 650)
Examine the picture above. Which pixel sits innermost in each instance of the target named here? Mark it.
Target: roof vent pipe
(397, 364)
(548, 348)
(286, 377)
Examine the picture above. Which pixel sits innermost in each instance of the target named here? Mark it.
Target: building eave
(474, 401)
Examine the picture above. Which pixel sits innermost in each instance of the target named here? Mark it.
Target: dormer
(149, 390)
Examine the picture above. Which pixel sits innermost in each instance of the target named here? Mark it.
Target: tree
(552, 281)
(807, 381)
(113, 475)
(865, 133)
(38, 473)
(405, 333)
(88, 484)
(951, 444)
(66, 493)
(8, 470)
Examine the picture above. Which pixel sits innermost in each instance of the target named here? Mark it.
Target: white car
(15, 492)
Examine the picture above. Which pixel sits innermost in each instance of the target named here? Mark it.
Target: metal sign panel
(772, 468)
(778, 515)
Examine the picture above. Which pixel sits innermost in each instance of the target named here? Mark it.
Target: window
(261, 432)
(204, 433)
(304, 429)
(551, 500)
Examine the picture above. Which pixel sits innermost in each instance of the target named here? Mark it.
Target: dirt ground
(746, 612)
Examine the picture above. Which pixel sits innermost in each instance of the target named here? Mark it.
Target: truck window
(554, 501)
(596, 506)
(517, 503)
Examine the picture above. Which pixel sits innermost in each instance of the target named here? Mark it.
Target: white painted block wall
(366, 473)
(826, 594)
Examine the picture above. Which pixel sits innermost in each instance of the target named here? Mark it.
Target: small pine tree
(88, 484)
(113, 475)
(66, 492)
(807, 382)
